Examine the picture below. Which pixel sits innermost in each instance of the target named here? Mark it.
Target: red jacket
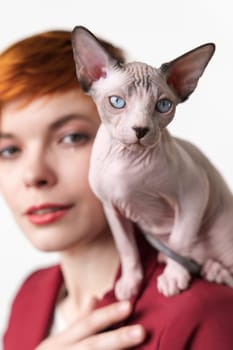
(200, 318)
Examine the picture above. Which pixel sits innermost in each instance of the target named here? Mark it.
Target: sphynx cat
(147, 177)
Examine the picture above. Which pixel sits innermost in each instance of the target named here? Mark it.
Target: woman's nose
(39, 173)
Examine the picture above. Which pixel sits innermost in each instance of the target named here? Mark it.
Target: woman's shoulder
(200, 315)
(200, 298)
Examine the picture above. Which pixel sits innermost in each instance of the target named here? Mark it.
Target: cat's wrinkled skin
(144, 175)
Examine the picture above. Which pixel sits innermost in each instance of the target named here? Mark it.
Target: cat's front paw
(174, 279)
(214, 271)
(127, 286)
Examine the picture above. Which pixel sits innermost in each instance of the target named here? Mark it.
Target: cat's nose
(140, 132)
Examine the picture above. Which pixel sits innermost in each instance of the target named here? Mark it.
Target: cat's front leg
(124, 236)
(174, 279)
(184, 235)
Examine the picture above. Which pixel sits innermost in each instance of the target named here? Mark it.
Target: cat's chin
(138, 147)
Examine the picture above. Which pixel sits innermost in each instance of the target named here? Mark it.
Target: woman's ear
(91, 59)
(183, 73)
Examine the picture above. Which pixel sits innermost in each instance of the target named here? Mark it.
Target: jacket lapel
(32, 310)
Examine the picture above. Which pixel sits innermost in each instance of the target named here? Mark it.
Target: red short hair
(40, 65)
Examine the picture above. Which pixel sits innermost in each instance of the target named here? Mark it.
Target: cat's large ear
(91, 59)
(183, 73)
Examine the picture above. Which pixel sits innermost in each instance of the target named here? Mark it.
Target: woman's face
(44, 160)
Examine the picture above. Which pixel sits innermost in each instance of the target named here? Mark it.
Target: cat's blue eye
(117, 102)
(163, 105)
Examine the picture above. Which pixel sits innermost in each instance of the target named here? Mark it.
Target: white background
(149, 30)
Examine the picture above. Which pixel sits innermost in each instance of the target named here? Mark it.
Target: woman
(47, 129)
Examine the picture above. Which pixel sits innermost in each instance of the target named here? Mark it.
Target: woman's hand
(88, 332)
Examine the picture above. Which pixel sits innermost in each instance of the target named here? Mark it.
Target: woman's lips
(47, 213)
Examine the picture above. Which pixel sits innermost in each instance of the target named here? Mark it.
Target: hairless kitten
(144, 175)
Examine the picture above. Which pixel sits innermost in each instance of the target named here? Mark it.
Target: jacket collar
(32, 310)
(33, 307)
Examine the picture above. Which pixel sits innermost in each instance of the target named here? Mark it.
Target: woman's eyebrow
(63, 120)
(6, 135)
(53, 126)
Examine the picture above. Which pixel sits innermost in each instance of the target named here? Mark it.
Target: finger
(90, 306)
(97, 321)
(122, 338)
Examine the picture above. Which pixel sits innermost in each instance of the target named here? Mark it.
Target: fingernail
(136, 332)
(123, 306)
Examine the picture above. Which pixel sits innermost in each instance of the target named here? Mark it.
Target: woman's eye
(163, 105)
(117, 102)
(74, 138)
(9, 152)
